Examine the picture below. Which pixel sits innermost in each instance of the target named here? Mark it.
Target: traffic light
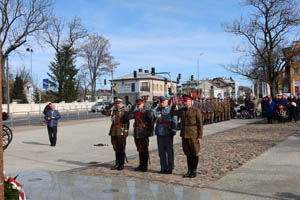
(166, 81)
(153, 71)
(170, 91)
(179, 76)
(134, 74)
(104, 81)
(192, 77)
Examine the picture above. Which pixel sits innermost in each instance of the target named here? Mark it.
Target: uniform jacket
(120, 124)
(52, 122)
(166, 124)
(143, 122)
(191, 122)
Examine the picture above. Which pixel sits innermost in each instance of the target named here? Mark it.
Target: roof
(140, 75)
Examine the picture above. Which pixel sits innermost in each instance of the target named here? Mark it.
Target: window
(145, 86)
(132, 87)
(296, 70)
(296, 58)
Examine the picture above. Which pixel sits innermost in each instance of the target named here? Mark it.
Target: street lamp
(30, 51)
(198, 73)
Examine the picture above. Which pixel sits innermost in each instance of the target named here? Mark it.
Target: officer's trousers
(165, 151)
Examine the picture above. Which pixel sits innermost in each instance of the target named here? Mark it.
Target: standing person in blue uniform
(165, 130)
(51, 116)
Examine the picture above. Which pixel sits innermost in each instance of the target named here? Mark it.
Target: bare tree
(98, 60)
(20, 20)
(266, 31)
(24, 74)
(83, 81)
(60, 32)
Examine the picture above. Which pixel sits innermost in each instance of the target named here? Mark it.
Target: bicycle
(7, 134)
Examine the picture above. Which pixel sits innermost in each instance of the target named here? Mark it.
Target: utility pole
(31, 99)
(198, 73)
(112, 85)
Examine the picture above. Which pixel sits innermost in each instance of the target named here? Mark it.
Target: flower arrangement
(13, 190)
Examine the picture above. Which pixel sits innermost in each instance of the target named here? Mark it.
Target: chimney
(146, 71)
(140, 70)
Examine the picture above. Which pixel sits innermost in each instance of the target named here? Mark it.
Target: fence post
(78, 113)
(28, 117)
(68, 115)
(11, 119)
(87, 112)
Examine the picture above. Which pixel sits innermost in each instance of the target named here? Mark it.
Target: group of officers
(161, 117)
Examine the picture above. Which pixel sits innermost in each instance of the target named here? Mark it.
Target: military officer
(165, 130)
(142, 129)
(216, 110)
(210, 110)
(191, 133)
(147, 105)
(118, 130)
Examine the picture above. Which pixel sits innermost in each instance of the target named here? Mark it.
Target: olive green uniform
(118, 132)
(191, 131)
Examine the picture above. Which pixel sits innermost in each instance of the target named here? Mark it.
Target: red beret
(139, 101)
(186, 97)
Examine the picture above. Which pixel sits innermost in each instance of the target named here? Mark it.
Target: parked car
(99, 106)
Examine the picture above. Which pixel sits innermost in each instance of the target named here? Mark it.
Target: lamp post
(30, 51)
(198, 73)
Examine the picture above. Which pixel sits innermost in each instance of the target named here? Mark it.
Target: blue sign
(45, 83)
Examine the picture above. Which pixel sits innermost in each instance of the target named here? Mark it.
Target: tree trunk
(1, 147)
(273, 89)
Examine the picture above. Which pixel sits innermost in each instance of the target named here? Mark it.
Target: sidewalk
(273, 175)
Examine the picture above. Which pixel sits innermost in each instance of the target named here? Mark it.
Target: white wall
(15, 107)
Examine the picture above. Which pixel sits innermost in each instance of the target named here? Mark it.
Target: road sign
(116, 88)
(45, 83)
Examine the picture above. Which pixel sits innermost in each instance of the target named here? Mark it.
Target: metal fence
(37, 117)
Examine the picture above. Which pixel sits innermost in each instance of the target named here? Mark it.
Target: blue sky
(166, 34)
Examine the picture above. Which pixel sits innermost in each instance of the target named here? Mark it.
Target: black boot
(117, 162)
(141, 162)
(121, 161)
(194, 167)
(189, 167)
(145, 161)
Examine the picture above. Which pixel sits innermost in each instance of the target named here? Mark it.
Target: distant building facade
(144, 84)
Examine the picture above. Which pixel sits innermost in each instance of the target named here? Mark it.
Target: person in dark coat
(143, 128)
(51, 117)
(292, 110)
(270, 110)
(47, 108)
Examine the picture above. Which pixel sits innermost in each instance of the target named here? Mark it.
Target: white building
(130, 88)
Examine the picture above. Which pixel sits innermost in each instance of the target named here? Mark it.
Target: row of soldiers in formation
(162, 119)
(214, 110)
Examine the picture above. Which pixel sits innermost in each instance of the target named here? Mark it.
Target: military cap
(187, 97)
(139, 101)
(163, 98)
(118, 99)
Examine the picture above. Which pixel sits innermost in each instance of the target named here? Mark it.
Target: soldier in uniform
(210, 110)
(227, 103)
(165, 130)
(203, 110)
(118, 130)
(191, 133)
(221, 110)
(216, 110)
(142, 129)
(147, 105)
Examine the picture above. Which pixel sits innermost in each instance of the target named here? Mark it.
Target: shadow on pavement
(246, 193)
(93, 163)
(36, 143)
(287, 195)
